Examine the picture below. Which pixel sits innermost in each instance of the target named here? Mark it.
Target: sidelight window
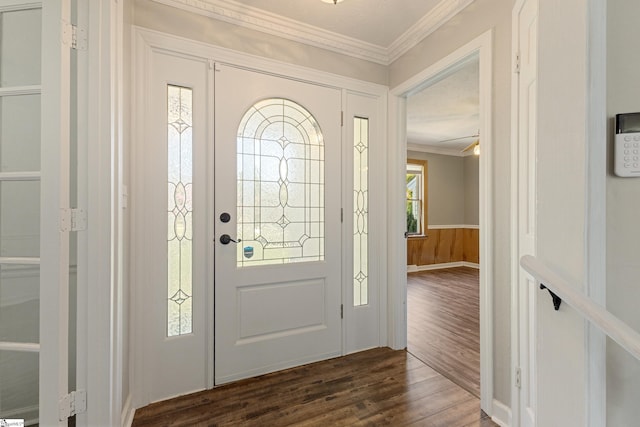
(180, 210)
(360, 210)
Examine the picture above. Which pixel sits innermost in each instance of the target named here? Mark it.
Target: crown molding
(437, 17)
(259, 20)
(437, 150)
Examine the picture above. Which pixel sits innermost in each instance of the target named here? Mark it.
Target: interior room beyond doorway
(444, 145)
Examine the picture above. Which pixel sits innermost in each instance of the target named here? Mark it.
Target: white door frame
(101, 328)
(144, 41)
(522, 303)
(483, 46)
(596, 239)
(54, 198)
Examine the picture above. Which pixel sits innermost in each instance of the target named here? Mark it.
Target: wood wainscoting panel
(442, 246)
(471, 245)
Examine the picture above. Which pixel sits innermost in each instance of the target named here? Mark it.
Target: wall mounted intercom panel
(627, 145)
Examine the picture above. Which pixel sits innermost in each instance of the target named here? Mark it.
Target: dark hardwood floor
(379, 387)
(443, 312)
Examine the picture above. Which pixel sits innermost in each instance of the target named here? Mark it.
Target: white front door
(266, 151)
(277, 197)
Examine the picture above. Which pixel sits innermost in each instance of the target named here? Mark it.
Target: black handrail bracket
(556, 299)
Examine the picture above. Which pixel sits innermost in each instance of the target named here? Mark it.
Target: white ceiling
(446, 110)
(379, 22)
(375, 30)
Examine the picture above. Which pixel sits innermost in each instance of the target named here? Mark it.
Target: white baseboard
(501, 414)
(128, 411)
(450, 226)
(414, 268)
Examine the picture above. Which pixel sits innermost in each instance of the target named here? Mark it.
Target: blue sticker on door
(248, 251)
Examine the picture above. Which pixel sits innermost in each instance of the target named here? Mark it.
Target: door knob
(225, 239)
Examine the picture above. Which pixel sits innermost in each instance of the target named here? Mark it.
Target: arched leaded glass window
(280, 185)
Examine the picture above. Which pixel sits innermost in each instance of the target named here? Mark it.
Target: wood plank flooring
(379, 387)
(443, 316)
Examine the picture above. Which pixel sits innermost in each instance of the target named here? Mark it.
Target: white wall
(472, 190)
(623, 207)
(473, 21)
(452, 188)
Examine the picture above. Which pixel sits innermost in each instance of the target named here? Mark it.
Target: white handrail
(620, 332)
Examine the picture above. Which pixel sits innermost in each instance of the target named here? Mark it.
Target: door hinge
(74, 37)
(341, 214)
(516, 63)
(73, 219)
(342, 311)
(518, 378)
(72, 404)
(341, 118)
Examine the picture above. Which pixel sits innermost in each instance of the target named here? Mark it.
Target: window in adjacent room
(416, 197)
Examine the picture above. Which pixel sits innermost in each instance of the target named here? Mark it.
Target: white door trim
(144, 42)
(54, 198)
(101, 267)
(596, 209)
(523, 332)
(483, 46)
(515, 264)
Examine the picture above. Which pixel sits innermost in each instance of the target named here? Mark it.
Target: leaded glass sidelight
(360, 210)
(180, 210)
(280, 185)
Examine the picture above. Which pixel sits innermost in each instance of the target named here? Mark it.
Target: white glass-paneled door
(34, 201)
(277, 220)
(237, 236)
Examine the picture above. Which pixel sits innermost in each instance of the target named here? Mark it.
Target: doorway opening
(478, 51)
(443, 153)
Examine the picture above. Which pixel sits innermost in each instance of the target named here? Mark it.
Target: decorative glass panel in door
(280, 185)
(360, 211)
(180, 210)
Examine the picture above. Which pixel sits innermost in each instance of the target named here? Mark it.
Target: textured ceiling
(445, 110)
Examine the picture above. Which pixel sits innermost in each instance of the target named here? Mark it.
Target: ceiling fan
(475, 145)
